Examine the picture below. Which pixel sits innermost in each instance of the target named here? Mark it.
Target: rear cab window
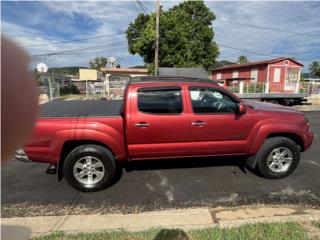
(160, 100)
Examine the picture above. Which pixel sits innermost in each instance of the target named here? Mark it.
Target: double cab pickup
(164, 117)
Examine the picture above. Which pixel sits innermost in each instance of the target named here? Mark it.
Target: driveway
(155, 185)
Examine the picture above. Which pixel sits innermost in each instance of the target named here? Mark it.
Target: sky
(259, 29)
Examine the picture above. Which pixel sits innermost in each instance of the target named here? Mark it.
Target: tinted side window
(160, 101)
(209, 100)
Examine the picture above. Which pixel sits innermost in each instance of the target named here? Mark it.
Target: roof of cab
(163, 79)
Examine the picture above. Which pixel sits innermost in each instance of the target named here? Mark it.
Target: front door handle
(142, 124)
(198, 123)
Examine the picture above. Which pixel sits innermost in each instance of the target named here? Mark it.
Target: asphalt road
(210, 182)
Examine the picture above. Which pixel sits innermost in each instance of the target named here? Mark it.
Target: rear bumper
(21, 156)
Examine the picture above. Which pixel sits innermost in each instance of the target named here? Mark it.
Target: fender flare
(262, 133)
(63, 136)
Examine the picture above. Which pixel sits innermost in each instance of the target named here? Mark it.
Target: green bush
(254, 88)
(72, 89)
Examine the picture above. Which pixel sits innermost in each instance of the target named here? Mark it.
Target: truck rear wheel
(89, 168)
(278, 157)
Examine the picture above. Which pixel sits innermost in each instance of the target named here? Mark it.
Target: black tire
(271, 144)
(97, 152)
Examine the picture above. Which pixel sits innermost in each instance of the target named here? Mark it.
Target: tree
(242, 59)
(186, 36)
(98, 63)
(314, 69)
(72, 89)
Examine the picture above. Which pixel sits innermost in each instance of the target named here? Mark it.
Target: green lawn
(316, 223)
(260, 231)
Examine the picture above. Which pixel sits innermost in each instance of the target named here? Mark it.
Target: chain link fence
(256, 87)
(310, 87)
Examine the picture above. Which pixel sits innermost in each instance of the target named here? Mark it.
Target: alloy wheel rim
(280, 159)
(88, 170)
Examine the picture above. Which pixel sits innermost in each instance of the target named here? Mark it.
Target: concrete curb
(184, 219)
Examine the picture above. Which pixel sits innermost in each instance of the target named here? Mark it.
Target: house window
(235, 74)
(286, 62)
(292, 76)
(218, 76)
(277, 75)
(254, 75)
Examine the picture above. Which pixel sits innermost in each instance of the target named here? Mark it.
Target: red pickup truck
(164, 117)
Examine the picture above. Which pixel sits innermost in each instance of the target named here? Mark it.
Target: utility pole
(50, 86)
(156, 54)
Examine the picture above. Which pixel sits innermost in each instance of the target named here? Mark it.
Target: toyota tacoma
(164, 117)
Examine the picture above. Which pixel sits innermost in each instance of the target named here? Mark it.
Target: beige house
(116, 79)
(90, 81)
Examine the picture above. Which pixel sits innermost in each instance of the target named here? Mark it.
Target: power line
(143, 7)
(73, 50)
(74, 40)
(143, 10)
(261, 53)
(135, 6)
(88, 51)
(270, 28)
(248, 51)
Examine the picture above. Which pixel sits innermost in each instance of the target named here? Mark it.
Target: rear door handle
(198, 123)
(142, 124)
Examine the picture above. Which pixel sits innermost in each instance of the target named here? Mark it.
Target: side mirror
(241, 108)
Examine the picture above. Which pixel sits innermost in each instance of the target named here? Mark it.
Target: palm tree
(314, 69)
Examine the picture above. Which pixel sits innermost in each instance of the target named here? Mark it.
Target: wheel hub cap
(88, 170)
(280, 159)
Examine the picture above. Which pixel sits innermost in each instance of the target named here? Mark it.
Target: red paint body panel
(50, 134)
(169, 136)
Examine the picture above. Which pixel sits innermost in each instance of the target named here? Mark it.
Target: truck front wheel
(89, 168)
(278, 157)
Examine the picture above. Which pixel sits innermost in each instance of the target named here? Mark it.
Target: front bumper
(21, 156)
(308, 140)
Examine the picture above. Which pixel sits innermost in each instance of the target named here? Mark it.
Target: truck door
(215, 127)
(157, 126)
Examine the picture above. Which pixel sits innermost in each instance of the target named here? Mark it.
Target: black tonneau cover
(81, 108)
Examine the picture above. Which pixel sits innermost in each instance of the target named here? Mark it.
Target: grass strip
(316, 224)
(260, 231)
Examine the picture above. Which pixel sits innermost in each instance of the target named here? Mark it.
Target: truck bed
(81, 108)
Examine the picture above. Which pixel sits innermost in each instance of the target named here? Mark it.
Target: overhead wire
(271, 28)
(74, 40)
(143, 7)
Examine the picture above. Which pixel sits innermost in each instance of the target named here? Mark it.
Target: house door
(292, 80)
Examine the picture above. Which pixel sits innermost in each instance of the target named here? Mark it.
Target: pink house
(281, 74)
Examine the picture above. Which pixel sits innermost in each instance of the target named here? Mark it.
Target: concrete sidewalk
(184, 219)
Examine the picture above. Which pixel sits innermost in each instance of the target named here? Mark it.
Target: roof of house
(221, 63)
(183, 72)
(125, 70)
(256, 63)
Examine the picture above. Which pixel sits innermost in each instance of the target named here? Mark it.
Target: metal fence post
(241, 87)
(267, 87)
